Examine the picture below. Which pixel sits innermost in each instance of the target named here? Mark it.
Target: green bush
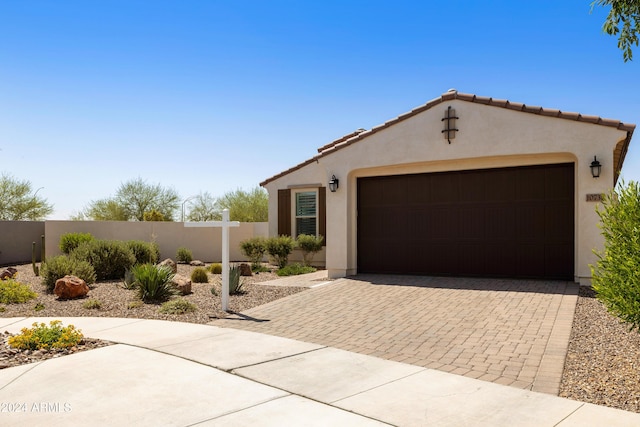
(109, 258)
(235, 280)
(279, 248)
(153, 282)
(70, 241)
(199, 275)
(13, 292)
(178, 306)
(92, 304)
(184, 255)
(144, 252)
(42, 336)
(215, 268)
(616, 275)
(254, 249)
(294, 270)
(309, 245)
(57, 267)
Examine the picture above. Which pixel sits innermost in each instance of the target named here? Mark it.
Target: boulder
(8, 273)
(182, 283)
(70, 287)
(170, 263)
(196, 263)
(245, 269)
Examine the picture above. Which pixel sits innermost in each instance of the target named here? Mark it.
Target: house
(463, 185)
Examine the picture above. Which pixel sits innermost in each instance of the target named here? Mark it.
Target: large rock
(182, 283)
(8, 273)
(245, 269)
(170, 263)
(196, 263)
(70, 287)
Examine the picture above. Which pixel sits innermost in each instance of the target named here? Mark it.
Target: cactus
(42, 250)
(36, 270)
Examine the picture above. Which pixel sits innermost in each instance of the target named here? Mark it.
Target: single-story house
(463, 185)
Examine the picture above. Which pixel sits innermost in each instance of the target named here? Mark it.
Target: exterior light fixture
(596, 167)
(334, 183)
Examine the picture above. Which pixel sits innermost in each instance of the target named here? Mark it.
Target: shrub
(109, 258)
(92, 304)
(70, 241)
(144, 252)
(134, 304)
(235, 280)
(39, 307)
(309, 245)
(178, 306)
(184, 255)
(199, 275)
(57, 267)
(43, 336)
(12, 292)
(616, 275)
(153, 282)
(294, 270)
(279, 248)
(254, 249)
(153, 215)
(215, 268)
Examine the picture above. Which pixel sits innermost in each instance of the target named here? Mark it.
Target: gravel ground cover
(602, 366)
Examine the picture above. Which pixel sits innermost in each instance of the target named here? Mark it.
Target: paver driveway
(512, 332)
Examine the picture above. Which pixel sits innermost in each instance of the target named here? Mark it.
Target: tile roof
(453, 94)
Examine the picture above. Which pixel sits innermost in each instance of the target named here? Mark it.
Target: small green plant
(109, 258)
(92, 304)
(2, 309)
(235, 280)
(616, 275)
(279, 248)
(309, 245)
(254, 249)
(134, 304)
(129, 281)
(199, 275)
(39, 307)
(154, 283)
(184, 255)
(214, 291)
(215, 268)
(294, 270)
(70, 241)
(13, 292)
(42, 336)
(260, 269)
(177, 306)
(144, 252)
(57, 267)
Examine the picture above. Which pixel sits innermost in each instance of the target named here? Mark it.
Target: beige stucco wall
(204, 243)
(16, 241)
(488, 137)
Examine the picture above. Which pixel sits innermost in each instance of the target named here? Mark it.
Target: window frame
(294, 205)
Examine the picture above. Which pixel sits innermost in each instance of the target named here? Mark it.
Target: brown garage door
(510, 222)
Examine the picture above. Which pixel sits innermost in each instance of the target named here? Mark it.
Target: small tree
(245, 206)
(279, 248)
(254, 249)
(616, 276)
(309, 245)
(18, 202)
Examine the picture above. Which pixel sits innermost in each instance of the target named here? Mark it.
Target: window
(306, 213)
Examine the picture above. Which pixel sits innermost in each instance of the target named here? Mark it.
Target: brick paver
(512, 332)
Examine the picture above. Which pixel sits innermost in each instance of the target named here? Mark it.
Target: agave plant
(235, 281)
(154, 282)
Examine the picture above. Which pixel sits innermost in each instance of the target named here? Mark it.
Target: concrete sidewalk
(170, 373)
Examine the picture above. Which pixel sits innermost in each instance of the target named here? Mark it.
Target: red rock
(245, 269)
(182, 283)
(171, 264)
(70, 287)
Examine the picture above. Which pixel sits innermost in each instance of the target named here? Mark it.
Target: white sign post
(225, 224)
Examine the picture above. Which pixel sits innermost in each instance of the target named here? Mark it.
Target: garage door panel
(511, 222)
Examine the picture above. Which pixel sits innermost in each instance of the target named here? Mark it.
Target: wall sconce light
(596, 167)
(334, 183)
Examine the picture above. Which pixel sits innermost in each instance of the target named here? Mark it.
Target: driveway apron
(511, 332)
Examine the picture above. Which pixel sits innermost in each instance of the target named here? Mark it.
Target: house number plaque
(594, 197)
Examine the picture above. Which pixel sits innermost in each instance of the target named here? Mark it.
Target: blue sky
(219, 95)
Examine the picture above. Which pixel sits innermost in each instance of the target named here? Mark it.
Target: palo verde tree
(616, 275)
(133, 200)
(623, 21)
(246, 206)
(203, 208)
(18, 202)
